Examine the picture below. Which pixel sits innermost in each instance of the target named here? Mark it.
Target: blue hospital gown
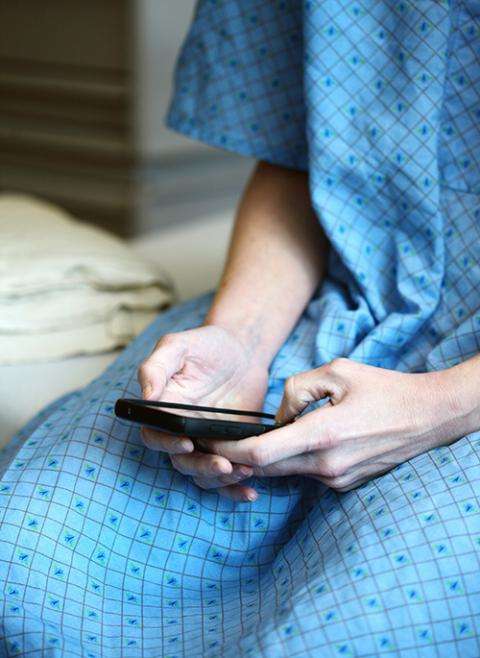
(106, 551)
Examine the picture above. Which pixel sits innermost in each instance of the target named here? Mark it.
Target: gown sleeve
(238, 82)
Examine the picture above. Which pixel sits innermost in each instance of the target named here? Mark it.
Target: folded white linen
(68, 287)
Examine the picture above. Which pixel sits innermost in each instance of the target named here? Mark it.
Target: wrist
(246, 332)
(460, 398)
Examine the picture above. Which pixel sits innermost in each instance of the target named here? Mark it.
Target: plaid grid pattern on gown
(106, 551)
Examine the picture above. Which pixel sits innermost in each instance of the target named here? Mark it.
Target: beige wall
(161, 27)
(84, 88)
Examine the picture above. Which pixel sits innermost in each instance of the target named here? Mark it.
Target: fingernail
(185, 446)
(250, 497)
(245, 471)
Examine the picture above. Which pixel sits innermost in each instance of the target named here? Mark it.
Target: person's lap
(107, 550)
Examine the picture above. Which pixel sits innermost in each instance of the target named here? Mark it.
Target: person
(350, 305)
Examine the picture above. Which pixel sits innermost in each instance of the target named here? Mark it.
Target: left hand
(374, 420)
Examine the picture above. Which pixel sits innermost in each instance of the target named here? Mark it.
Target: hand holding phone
(211, 364)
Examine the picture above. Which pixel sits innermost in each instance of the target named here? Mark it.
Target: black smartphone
(196, 422)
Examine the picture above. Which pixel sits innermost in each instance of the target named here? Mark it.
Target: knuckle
(291, 385)
(334, 483)
(341, 483)
(259, 455)
(339, 364)
(165, 341)
(327, 438)
(333, 469)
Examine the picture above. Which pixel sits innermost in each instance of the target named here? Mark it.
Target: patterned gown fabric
(106, 551)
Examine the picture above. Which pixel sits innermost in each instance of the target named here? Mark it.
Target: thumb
(167, 358)
(306, 387)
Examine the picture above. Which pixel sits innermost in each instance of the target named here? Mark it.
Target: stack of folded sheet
(67, 287)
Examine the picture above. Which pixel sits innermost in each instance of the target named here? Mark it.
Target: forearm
(461, 387)
(275, 261)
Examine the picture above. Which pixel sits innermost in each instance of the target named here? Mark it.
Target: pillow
(68, 287)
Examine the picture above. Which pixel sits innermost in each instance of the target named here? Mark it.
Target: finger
(307, 387)
(304, 464)
(166, 442)
(165, 361)
(238, 474)
(200, 464)
(236, 492)
(308, 433)
(239, 493)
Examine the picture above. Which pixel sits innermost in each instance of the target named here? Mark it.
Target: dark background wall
(84, 87)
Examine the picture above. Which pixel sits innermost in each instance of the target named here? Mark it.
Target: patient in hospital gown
(355, 530)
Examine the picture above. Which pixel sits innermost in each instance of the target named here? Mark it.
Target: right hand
(207, 366)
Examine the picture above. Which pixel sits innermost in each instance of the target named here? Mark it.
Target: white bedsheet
(192, 254)
(67, 287)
